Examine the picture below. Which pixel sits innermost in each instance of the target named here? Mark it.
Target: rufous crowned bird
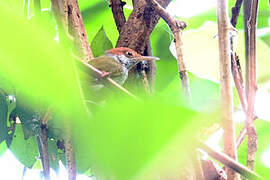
(117, 62)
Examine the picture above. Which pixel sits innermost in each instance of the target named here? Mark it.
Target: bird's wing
(108, 64)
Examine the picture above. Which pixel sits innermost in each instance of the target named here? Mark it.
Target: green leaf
(3, 148)
(44, 72)
(30, 120)
(210, 15)
(3, 117)
(205, 62)
(54, 155)
(266, 39)
(125, 135)
(25, 150)
(11, 118)
(100, 43)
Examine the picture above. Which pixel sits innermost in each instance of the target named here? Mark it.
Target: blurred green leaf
(125, 135)
(37, 165)
(266, 39)
(196, 21)
(54, 154)
(205, 62)
(3, 148)
(25, 150)
(30, 120)
(40, 68)
(100, 43)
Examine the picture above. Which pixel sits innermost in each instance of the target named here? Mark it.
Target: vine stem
(225, 84)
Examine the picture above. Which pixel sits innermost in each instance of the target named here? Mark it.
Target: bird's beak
(147, 58)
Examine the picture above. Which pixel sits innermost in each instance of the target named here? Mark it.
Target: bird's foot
(105, 74)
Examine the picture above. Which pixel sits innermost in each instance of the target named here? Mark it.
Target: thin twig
(145, 81)
(225, 84)
(24, 172)
(236, 70)
(176, 27)
(238, 79)
(250, 21)
(93, 69)
(151, 67)
(235, 12)
(197, 165)
(118, 14)
(43, 144)
(229, 162)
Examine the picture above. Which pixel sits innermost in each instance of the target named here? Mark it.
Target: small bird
(117, 62)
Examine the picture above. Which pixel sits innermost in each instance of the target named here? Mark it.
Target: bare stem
(250, 21)
(43, 145)
(235, 12)
(225, 83)
(176, 27)
(229, 162)
(145, 82)
(70, 154)
(151, 67)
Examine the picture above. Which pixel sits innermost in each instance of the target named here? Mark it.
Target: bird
(117, 62)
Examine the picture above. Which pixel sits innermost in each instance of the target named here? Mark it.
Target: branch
(118, 14)
(250, 21)
(60, 11)
(120, 20)
(139, 26)
(197, 165)
(151, 67)
(229, 162)
(176, 27)
(70, 154)
(77, 30)
(225, 83)
(85, 66)
(235, 12)
(238, 78)
(43, 144)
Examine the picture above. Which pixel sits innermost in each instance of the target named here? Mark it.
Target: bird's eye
(129, 54)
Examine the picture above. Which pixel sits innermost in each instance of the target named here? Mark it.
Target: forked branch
(176, 27)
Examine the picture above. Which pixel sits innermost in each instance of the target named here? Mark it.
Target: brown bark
(140, 24)
(77, 30)
(118, 14)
